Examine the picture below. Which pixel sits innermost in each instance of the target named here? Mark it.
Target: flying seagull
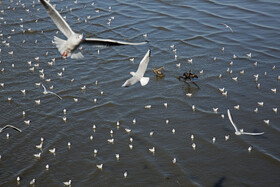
(239, 132)
(139, 74)
(45, 92)
(1, 129)
(228, 27)
(66, 47)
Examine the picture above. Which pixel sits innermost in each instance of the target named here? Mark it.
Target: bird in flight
(139, 74)
(66, 47)
(241, 131)
(11, 126)
(228, 27)
(49, 92)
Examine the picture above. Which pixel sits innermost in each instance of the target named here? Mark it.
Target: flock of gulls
(68, 49)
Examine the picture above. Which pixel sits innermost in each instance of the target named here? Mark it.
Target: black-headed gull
(66, 47)
(240, 132)
(139, 74)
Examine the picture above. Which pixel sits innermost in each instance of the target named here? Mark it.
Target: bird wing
(130, 82)
(45, 90)
(109, 42)
(143, 64)
(230, 119)
(253, 134)
(57, 19)
(11, 127)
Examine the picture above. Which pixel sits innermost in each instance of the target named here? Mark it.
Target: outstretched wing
(11, 126)
(143, 64)
(130, 82)
(230, 119)
(109, 42)
(57, 19)
(253, 134)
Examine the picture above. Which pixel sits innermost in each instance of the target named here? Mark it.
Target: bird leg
(65, 53)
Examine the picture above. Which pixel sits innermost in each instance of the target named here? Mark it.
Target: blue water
(195, 29)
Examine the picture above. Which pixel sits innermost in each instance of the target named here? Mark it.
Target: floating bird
(228, 27)
(52, 150)
(66, 47)
(117, 156)
(125, 174)
(139, 74)
(192, 137)
(67, 183)
(240, 132)
(215, 110)
(214, 139)
(32, 182)
(236, 107)
(47, 167)
(256, 110)
(250, 149)
(39, 146)
(152, 150)
(158, 71)
(38, 155)
(273, 90)
(27, 122)
(193, 107)
(226, 137)
(260, 103)
(193, 146)
(49, 92)
(249, 55)
(111, 140)
(174, 161)
(11, 126)
(188, 76)
(148, 106)
(99, 166)
(275, 110)
(266, 122)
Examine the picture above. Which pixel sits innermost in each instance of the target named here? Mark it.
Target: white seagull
(1, 129)
(49, 92)
(139, 74)
(240, 132)
(66, 47)
(228, 27)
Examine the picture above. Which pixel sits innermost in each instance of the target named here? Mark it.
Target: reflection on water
(195, 30)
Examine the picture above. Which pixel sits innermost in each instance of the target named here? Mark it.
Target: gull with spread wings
(11, 126)
(66, 47)
(240, 132)
(45, 92)
(139, 74)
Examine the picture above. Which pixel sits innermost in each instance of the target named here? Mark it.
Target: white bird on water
(139, 74)
(68, 183)
(45, 92)
(66, 47)
(240, 132)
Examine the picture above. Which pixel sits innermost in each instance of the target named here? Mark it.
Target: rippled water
(194, 28)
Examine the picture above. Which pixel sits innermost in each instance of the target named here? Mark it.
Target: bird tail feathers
(144, 81)
(60, 44)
